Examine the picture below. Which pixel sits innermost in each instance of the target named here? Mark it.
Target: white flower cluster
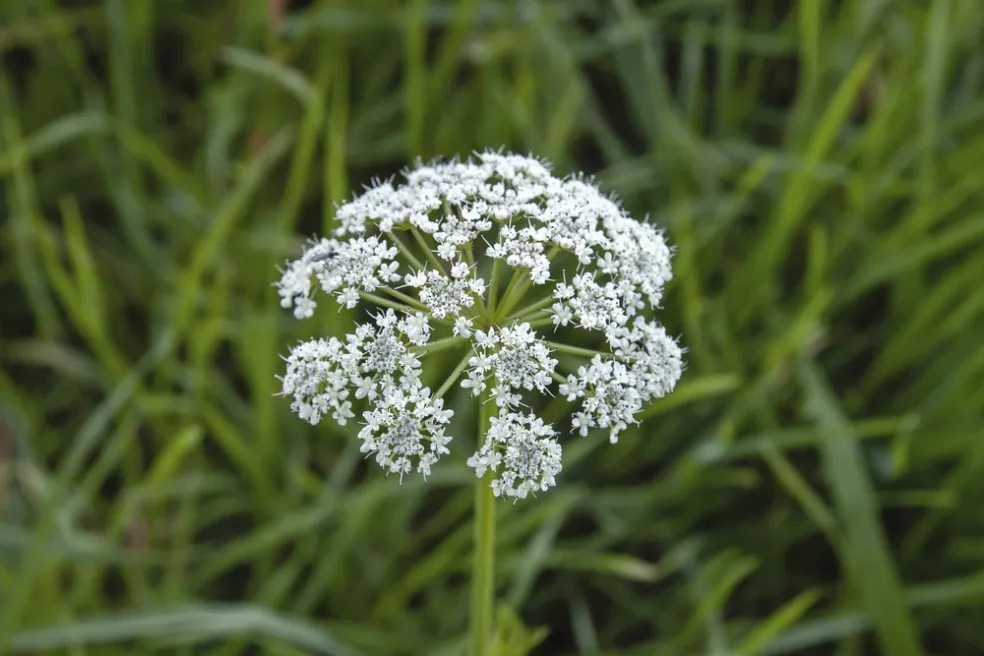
(377, 363)
(446, 296)
(521, 450)
(439, 250)
(517, 361)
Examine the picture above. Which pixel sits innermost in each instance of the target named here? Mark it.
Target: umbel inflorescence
(496, 258)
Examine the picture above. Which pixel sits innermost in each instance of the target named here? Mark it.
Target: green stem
(409, 300)
(436, 263)
(493, 287)
(453, 377)
(531, 309)
(439, 345)
(536, 316)
(576, 350)
(483, 568)
(584, 352)
(385, 302)
(517, 287)
(537, 323)
(407, 252)
(519, 284)
(518, 293)
(513, 281)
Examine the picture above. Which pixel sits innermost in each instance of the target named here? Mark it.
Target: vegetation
(812, 487)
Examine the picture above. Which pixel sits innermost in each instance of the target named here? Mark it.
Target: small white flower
(364, 387)
(349, 297)
(446, 251)
(416, 279)
(416, 328)
(463, 327)
(459, 270)
(475, 382)
(562, 314)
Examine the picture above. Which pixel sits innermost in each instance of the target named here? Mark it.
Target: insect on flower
(515, 269)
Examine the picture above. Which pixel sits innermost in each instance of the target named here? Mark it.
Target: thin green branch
(385, 302)
(546, 321)
(494, 287)
(406, 251)
(576, 350)
(440, 345)
(409, 300)
(452, 379)
(533, 310)
(510, 297)
(435, 262)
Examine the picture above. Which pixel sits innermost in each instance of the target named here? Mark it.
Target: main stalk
(483, 567)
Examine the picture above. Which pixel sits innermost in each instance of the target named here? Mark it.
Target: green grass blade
(871, 566)
(195, 623)
(763, 634)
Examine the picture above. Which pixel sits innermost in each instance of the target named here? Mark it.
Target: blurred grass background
(813, 487)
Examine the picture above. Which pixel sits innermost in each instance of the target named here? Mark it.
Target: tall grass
(812, 487)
